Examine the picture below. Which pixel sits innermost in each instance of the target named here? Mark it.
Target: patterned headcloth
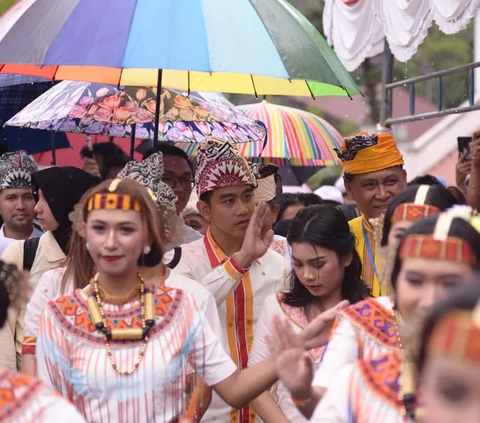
(220, 165)
(365, 153)
(16, 170)
(149, 173)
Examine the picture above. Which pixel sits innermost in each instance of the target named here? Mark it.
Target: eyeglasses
(172, 181)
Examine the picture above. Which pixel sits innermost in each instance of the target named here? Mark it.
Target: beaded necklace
(406, 392)
(147, 316)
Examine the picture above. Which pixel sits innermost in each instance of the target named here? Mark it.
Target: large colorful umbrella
(293, 136)
(85, 107)
(239, 46)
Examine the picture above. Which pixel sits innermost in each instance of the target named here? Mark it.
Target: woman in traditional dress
(411, 205)
(23, 399)
(367, 329)
(79, 267)
(326, 270)
(435, 256)
(121, 349)
(448, 362)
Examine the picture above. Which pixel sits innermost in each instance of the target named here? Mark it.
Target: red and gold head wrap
(365, 153)
(439, 245)
(457, 334)
(418, 210)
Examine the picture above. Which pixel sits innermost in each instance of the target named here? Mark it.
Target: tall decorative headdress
(220, 165)
(16, 170)
(418, 210)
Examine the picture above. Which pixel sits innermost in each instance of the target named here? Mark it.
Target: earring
(87, 246)
(147, 249)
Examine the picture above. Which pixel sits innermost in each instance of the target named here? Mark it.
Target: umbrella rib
(254, 88)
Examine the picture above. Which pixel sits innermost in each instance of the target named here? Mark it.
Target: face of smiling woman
(116, 239)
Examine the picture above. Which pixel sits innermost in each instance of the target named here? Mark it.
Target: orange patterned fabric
(72, 313)
(456, 335)
(16, 391)
(410, 212)
(382, 377)
(379, 152)
(375, 320)
(453, 250)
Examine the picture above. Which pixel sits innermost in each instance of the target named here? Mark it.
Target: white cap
(328, 192)
(340, 185)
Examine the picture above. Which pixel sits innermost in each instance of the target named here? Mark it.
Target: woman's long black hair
(325, 226)
(437, 196)
(459, 228)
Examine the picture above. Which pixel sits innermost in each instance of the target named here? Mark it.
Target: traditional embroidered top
(49, 288)
(240, 296)
(368, 271)
(365, 392)
(260, 350)
(72, 357)
(280, 245)
(26, 400)
(364, 330)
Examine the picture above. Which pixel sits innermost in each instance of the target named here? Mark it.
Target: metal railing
(387, 105)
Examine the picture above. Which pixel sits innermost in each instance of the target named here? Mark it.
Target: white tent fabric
(405, 24)
(453, 15)
(354, 30)
(357, 28)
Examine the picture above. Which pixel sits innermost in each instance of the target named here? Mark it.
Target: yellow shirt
(368, 272)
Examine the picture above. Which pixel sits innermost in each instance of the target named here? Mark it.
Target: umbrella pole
(54, 156)
(132, 141)
(157, 110)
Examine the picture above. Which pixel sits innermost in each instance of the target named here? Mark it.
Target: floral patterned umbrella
(97, 109)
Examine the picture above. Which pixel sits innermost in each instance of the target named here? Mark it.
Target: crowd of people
(160, 291)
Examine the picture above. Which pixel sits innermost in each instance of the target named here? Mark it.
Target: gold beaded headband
(113, 201)
(457, 334)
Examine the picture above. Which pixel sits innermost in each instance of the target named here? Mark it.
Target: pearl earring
(147, 249)
(87, 246)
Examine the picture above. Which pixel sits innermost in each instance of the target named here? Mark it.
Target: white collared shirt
(5, 241)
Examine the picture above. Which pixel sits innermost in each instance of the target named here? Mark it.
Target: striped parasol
(294, 136)
(238, 46)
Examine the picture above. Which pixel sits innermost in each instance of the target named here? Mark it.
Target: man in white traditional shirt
(16, 199)
(233, 261)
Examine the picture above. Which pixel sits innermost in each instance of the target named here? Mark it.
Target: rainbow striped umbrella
(238, 46)
(294, 136)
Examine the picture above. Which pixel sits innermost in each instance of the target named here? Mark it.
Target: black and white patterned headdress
(149, 173)
(16, 170)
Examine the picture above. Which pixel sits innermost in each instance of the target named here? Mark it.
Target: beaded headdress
(439, 245)
(457, 334)
(220, 165)
(418, 210)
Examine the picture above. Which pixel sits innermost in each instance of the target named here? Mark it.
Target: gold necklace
(120, 300)
(147, 316)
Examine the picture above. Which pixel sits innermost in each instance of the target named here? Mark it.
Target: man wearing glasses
(178, 175)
